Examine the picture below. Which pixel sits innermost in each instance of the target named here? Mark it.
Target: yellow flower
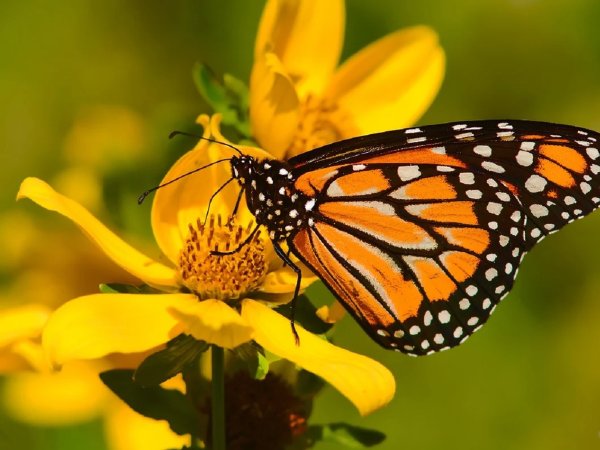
(36, 259)
(197, 284)
(34, 395)
(299, 101)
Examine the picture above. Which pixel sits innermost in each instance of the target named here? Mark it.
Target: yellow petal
(128, 430)
(185, 201)
(22, 322)
(283, 281)
(74, 395)
(366, 383)
(390, 83)
(93, 326)
(9, 362)
(32, 353)
(213, 321)
(133, 261)
(274, 105)
(332, 313)
(307, 36)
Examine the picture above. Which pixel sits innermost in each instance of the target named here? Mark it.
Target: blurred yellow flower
(103, 139)
(32, 394)
(299, 100)
(35, 256)
(93, 326)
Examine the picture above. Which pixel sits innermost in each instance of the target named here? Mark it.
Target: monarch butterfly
(419, 232)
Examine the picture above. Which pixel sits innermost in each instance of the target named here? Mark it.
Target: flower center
(321, 122)
(262, 414)
(223, 277)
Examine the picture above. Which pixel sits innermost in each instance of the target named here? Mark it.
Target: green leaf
(210, 87)
(262, 367)
(347, 435)
(119, 288)
(181, 352)
(251, 359)
(308, 384)
(154, 402)
(228, 96)
(305, 315)
(239, 89)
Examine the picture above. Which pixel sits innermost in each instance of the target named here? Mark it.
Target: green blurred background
(529, 380)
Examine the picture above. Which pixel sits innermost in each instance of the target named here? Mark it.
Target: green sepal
(349, 436)
(305, 315)
(120, 288)
(180, 353)
(308, 385)
(228, 97)
(154, 402)
(252, 359)
(262, 366)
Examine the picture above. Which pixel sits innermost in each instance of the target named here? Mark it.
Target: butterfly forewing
(420, 232)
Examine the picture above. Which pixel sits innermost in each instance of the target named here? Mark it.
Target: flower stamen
(224, 277)
(322, 122)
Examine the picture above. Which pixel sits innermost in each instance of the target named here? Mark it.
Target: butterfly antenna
(183, 133)
(145, 194)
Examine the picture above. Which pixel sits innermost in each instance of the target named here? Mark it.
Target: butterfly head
(270, 194)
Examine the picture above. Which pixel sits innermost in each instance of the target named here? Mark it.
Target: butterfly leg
(240, 246)
(237, 204)
(287, 261)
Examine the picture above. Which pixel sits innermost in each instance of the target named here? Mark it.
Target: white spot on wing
(524, 158)
(464, 136)
(494, 208)
(535, 183)
(592, 152)
(467, 178)
(407, 173)
(492, 167)
(527, 146)
(444, 316)
(483, 150)
(471, 290)
(491, 273)
(474, 194)
(585, 187)
(538, 210)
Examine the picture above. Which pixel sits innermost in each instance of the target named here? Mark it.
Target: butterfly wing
(420, 232)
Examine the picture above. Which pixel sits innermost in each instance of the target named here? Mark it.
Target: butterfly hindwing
(416, 270)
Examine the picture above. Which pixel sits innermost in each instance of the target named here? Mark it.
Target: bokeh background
(89, 91)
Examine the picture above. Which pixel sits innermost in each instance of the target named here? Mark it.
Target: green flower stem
(218, 398)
